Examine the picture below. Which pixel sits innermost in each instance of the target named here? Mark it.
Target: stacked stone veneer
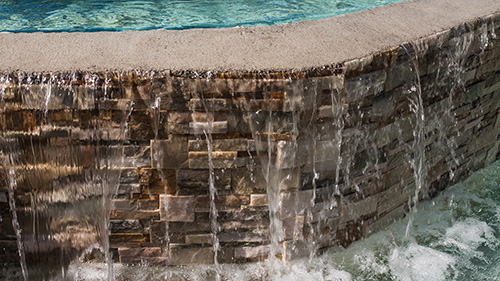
(330, 149)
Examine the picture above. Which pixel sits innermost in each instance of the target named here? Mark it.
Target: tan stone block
(240, 144)
(199, 239)
(189, 256)
(258, 200)
(228, 155)
(176, 208)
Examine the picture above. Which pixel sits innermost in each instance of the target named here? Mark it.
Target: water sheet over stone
(235, 167)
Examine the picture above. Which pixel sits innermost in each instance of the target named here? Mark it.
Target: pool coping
(290, 47)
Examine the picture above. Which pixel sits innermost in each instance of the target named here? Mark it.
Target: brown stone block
(258, 200)
(158, 181)
(140, 252)
(125, 204)
(199, 239)
(246, 181)
(245, 214)
(135, 156)
(178, 122)
(254, 105)
(239, 144)
(189, 256)
(136, 215)
(123, 226)
(238, 225)
(196, 181)
(244, 237)
(128, 237)
(211, 104)
(177, 208)
(217, 163)
(128, 188)
(225, 155)
(174, 153)
(222, 200)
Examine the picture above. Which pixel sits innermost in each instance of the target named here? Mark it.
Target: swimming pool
(364, 106)
(119, 15)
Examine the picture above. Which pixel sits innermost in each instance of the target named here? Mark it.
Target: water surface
(118, 15)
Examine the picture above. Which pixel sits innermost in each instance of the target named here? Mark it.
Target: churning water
(456, 236)
(117, 15)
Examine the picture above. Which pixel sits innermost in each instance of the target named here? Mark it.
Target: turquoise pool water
(118, 15)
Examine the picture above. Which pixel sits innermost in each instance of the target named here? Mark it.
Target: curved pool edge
(296, 46)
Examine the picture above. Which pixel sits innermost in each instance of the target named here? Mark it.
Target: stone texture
(173, 153)
(189, 256)
(338, 141)
(177, 208)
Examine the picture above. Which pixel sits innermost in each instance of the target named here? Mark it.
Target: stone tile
(129, 188)
(217, 163)
(196, 181)
(258, 200)
(215, 127)
(190, 256)
(199, 239)
(246, 180)
(178, 208)
(227, 155)
(202, 201)
(240, 144)
(174, 153)
(136, 215)
(242, 237)
(132, 205)
(125, 225)
(128, 237)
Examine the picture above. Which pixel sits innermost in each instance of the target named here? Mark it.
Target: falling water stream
(61, 190)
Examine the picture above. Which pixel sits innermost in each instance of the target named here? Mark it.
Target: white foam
(419, 263)
(469, 234)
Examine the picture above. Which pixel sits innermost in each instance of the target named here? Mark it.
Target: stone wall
(273, 163)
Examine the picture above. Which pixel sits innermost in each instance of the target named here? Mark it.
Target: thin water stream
(320, 148)
(456, 237)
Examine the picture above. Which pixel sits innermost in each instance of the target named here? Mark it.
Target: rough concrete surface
(294, 46)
